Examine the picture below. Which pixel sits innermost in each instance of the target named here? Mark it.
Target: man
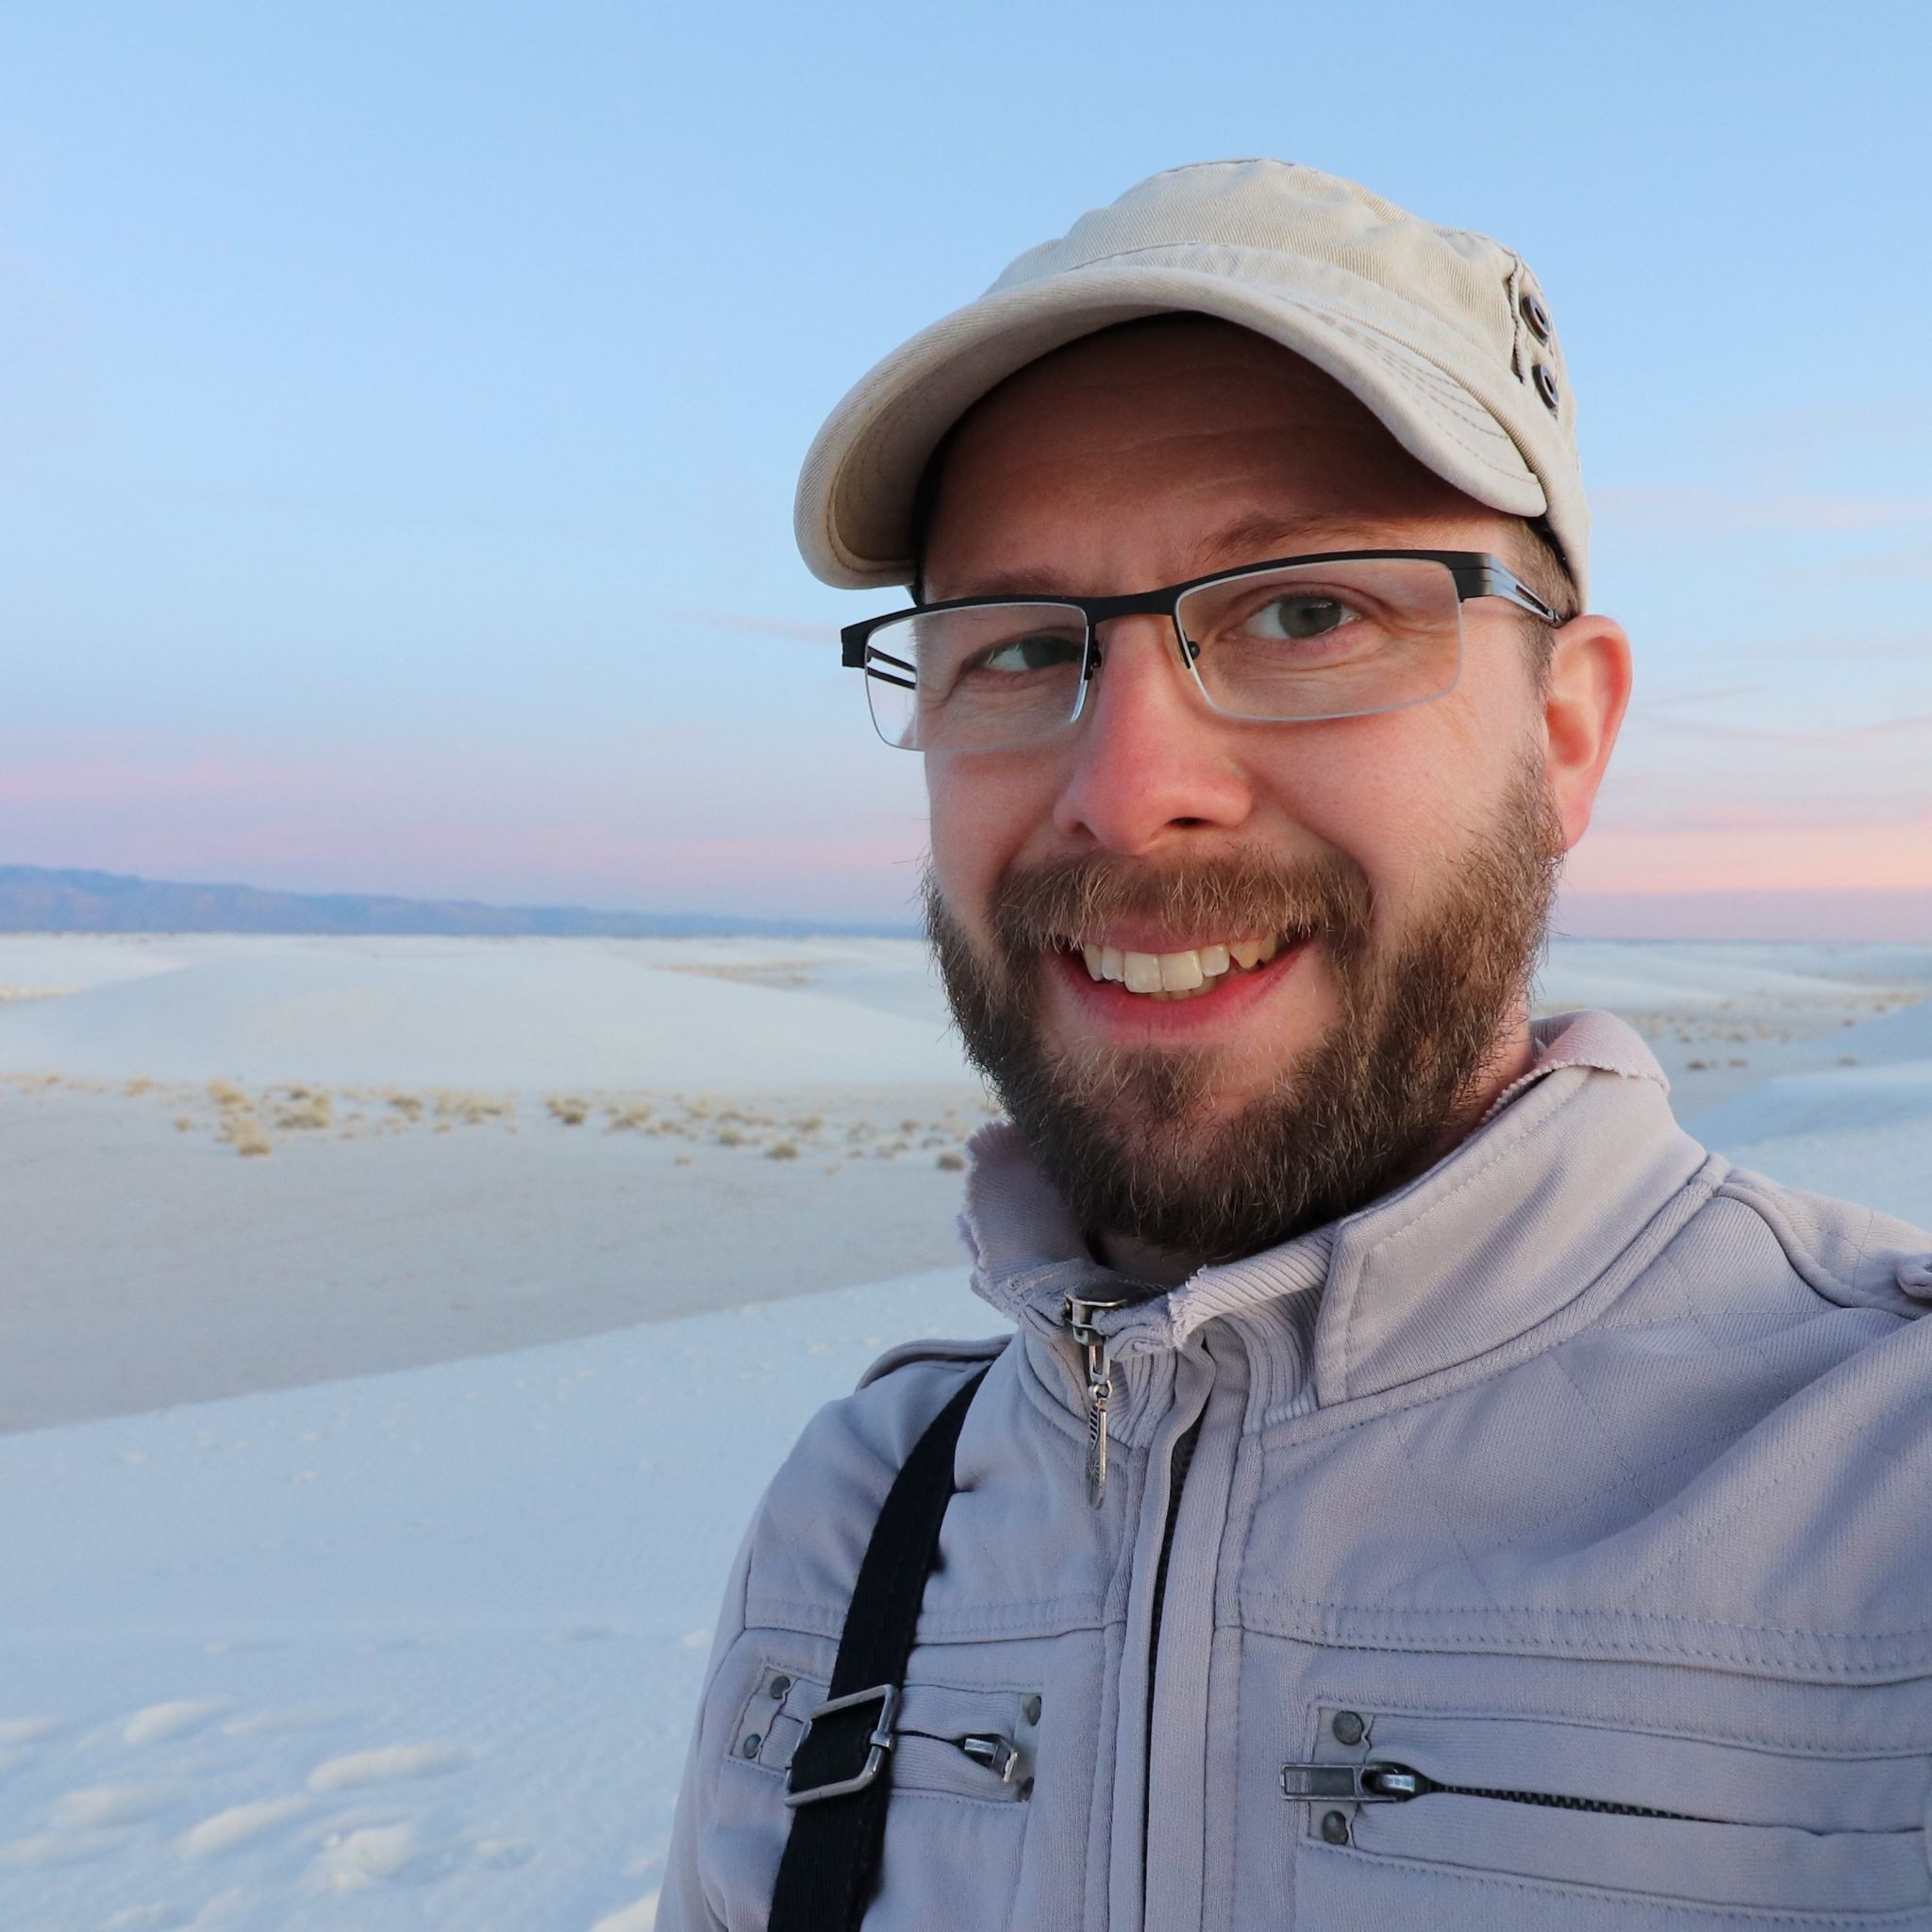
(1425, 1486)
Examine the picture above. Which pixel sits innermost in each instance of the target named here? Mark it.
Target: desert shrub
(305, 1110)
(242, 1131)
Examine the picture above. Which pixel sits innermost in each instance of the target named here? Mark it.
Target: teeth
(1180, 972)
(1176, 976)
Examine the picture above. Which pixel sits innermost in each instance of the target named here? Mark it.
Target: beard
(1130, 1137)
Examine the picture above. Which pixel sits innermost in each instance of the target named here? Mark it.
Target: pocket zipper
(1388, 1784)
(987, 1749)
(1000, 1755)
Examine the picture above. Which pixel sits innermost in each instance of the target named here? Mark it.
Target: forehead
(1161, 449)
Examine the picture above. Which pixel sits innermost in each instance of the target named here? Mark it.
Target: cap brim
(855, 493)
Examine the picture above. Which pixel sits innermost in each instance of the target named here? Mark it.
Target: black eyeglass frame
(1475, 573)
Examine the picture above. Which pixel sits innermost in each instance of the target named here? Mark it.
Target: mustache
(1325, 895)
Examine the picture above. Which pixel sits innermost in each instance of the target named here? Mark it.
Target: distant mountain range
(36, 899)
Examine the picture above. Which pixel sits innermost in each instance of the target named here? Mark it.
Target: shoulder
(812, 1527)
(1851, 1256)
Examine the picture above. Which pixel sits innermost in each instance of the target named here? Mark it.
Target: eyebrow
(1253, 538)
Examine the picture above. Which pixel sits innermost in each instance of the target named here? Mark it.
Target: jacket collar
(1504, 1231)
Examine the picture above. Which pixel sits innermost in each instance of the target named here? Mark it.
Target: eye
(1299, 615)
(1039, 652)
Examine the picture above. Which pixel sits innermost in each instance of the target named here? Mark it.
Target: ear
(1583, 708)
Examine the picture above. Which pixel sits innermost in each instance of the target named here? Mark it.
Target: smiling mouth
(1189, 975)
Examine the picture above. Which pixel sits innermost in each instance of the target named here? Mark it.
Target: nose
(1152, 759)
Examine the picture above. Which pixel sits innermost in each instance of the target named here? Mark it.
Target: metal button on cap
(1535, 314)
(1334, 1828)
(750, 1746)
(1545, 384)
(1348, 1727)
(778, 1686)
(1030, 1710)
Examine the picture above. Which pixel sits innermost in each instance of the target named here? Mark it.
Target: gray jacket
(1585, 1468)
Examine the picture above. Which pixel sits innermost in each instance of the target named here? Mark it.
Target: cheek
(985, 810)
(1400, 796)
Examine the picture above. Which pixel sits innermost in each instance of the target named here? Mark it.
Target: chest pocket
(962, 1765)
(1469, 1821)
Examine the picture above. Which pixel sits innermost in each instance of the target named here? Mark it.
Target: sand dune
(515, 1015)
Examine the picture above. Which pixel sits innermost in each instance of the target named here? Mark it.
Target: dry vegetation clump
(782, 1150)
(137, 1086)
(306, 1109)
(239, 1124)
(629, 1120)
(568, 1109)
(730, 1136)
(240, 1127)
(472, 1110)
(951, 1162)
(408, 1104)
(808, 1125)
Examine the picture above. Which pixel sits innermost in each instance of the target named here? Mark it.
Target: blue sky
(400, 405)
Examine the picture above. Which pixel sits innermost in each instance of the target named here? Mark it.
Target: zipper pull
(1098, 1364)
(1358, 1784)
(999, 1755)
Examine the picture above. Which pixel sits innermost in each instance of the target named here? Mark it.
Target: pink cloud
(1870, 855)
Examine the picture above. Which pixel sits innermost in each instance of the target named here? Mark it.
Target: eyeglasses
(1291, 641)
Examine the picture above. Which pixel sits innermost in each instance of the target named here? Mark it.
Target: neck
(1510, 1057)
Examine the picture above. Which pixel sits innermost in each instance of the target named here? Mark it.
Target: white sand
(517, 1014)
(418, 1649)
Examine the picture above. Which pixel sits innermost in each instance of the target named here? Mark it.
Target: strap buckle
(878, 1741)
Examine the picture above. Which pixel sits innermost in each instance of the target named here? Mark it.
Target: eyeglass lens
(1301, 643)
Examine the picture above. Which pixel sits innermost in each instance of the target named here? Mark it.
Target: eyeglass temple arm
(1486, 577)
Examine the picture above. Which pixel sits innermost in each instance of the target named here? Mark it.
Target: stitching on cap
(1472, 411)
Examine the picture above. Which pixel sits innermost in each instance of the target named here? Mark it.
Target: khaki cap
(1443, 333)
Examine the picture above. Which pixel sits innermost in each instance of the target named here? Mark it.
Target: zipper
(1096, 1361)
(990, 1750)
(1386, 1784)
(1177, 1474)
(1000, 1755)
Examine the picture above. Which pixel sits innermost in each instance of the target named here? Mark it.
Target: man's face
(1396, 866)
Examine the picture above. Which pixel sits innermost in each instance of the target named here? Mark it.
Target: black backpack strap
(841, 1770)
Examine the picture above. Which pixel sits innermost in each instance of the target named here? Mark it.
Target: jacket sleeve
(682, 1903)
